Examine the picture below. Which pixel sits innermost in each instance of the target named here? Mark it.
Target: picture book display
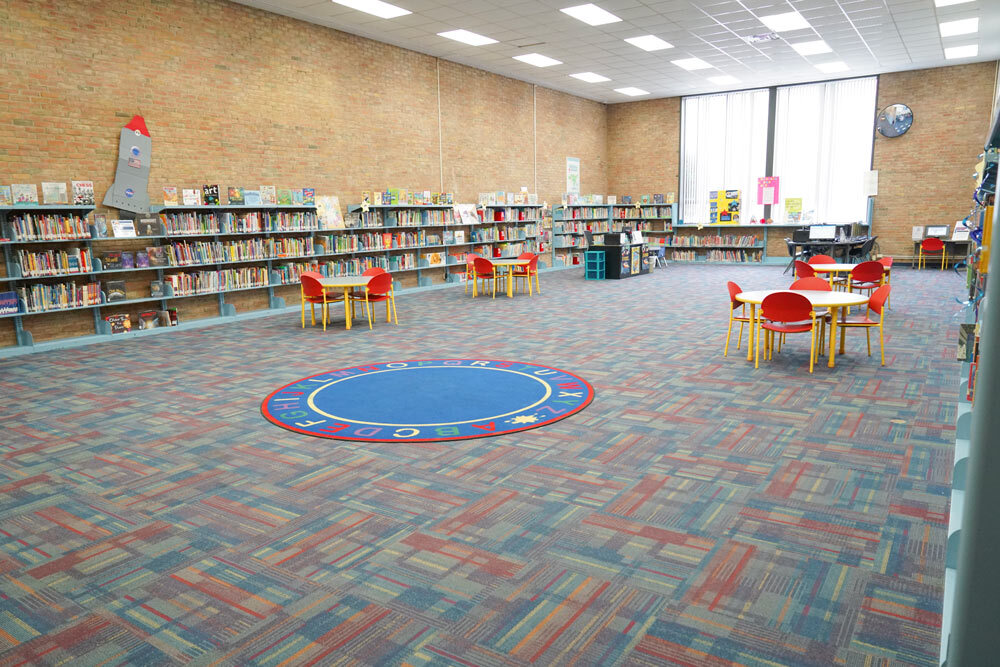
(24, 194)
(210, 195)
(191, 197)
(123, 229)
(251, 197)
(308, 196)
(284, 197)
(83, 193)
(235, 195)
(115, 290)
(8, 303)
(170, 196)
(149, 319)
(54, 193)
(328, 212)
(268, 195)
(5, 198)
(112, 260)
(120, 323)
(157, 255)
(100, 226)
(724, 207)
(148, 227)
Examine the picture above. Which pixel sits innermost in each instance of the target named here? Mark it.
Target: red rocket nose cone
(137, 123)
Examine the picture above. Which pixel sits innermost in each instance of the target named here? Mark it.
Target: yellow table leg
(510, 282)
(834, 316)
(753, 330)
(475, 281)
(347, 308)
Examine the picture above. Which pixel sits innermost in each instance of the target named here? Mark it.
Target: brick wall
(925, 175)
(235, 95)
(644, 144)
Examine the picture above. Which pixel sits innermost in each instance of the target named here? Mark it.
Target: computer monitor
(800, 235)
(822, 232)
(844, 231)
(939, 231)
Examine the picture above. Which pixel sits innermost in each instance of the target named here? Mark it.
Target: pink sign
(767, 190)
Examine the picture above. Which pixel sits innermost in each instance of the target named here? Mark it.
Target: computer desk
(950, 246)
(830, 245)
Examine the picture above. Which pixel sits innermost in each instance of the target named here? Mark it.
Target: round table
(345, 283)
(833, 269)
(835, 301)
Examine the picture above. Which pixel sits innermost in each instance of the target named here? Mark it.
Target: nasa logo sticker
(129, 192)
(430, 400)
(135, 151)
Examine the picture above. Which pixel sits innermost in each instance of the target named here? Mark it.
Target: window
(723, 147)
(823, 147)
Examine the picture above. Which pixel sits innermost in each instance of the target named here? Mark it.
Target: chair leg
(395, 317)
(369, 310)
(944, 258)
(725, 348)
(325, 315)
(739, 337)
(538, 288)
(303, 312)
(756, 354)
(812, 346)
(881, 343)
(868, 336)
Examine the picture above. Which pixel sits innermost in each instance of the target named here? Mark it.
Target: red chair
(379, 288)
(313, 293)
(803, 270)
(866, 276)
(374, 271)
(526, 272)
(470, 273)
(742, 318)
(931, 246)
(785, 313)
(483, 269)
(886, 262)
(822, 259)
(875, 305)
(814, 283)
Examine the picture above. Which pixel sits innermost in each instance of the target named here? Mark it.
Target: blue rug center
(430, 395)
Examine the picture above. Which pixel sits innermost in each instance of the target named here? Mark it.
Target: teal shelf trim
(47, 207)
(234, 207)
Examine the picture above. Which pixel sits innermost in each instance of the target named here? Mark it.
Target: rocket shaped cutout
(130, 191)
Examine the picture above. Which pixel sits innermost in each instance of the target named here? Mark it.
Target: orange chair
(814, 283)
(931, 246)
(379, 288)
(374, 271)
(886, 262)
(470, 273)
(866, 276)
(483, 269)
(822, 259)
(526, 272)
(803, 270)
(742, 318)
(313, 293)
(875, 305)
(785, 313)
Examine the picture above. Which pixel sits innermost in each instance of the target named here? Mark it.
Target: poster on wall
(573, 175)
(129, 192)
(793, 210)
(724, 207)
(767, 190)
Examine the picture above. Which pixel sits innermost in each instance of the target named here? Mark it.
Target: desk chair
(862, 253)
(931, 246)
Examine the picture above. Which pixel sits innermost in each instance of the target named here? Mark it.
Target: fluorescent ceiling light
(538, 60)
(967, 51)
(949, 3)
(590, 77)
(631, 91)
(723, 80)
(590, 14)
(831, 68)
(812, 48)
(785, 22)
(649, 43)
(466, 37)
(960, 27)
(383, 10)
(691, 63)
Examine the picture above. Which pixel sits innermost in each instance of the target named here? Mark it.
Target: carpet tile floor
(698, 512)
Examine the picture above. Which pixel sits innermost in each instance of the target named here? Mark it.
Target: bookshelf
(730, 244)
(570, 222)
(655, 221)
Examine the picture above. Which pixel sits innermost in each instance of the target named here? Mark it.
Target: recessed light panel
(967, 51)
(812, 48)
(785, 22)
(538, 60)
(949, 3)
(590, 77)
(691, 64)
(383, 10)
(466, 37)
(591, 14)
(649, 43)
(832, 68)
(632, 91)
(724, 80)
(960, 27)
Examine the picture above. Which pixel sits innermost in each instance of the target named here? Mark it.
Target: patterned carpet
(699, 512)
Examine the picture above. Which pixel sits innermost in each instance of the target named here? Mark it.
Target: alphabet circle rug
(429, 400)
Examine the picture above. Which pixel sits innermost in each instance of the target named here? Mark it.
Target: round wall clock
(894, 120)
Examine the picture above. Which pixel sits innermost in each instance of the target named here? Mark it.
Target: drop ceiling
(869, 36)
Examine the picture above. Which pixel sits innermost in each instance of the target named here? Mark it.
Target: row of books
(514, 214)
(58, 296)
(355, 266)
(569, 227)
(289, 274)
(585, 213)
(644, 200)
(633, 213)
(717, 256)
(500, 198)
(32, 227)
(147, 319)
(266, 195)
(747, 240)
(26, 194)
(206, 252)
(55, 262)
(230, 222)
(406, 197)
(498, 233)
(207, 282)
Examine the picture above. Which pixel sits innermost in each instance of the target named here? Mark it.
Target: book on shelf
(83, 193)
(156, 289)
(191, 196)
(627, 199)
(671, 198)
(9, 303)
(119, 323)
(54, 193)
(115, 290)
(122, 229)
(251, 197)
(170, 196)
(112, 260)
(149, 319)
(100, 226)
(148, 227)
(268, 195)
(328, 212)
(297, 196)
(366, 197)
(377, 198)
(308, 196)
(210, 195)
(157, 255)
(24, 194)
(169, 316)
(5, 197)
(141, 259)
(434, 259)
(284, 197)
(658, 198)
(459, 236)
(235, 196)
(128, 260)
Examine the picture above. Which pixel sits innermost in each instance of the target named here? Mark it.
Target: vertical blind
(724, 147)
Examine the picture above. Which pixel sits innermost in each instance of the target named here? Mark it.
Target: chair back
(886, 262)
(470, 258)
(483, 266)
(734, 289)
(803, 270)
(878, 298)
(374, 271)
(786, 307)
(533, 264)
(814, 283)
(381, 283)
(867, 272)
(822, 259)
(932, 244)
(866, 248)
(310, 283)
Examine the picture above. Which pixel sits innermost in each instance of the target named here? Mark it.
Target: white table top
(510, 262)
(832, 268)
(345, 281)
(819, 299)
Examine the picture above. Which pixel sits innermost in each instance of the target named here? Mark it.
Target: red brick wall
(644, 145)
(925, 175)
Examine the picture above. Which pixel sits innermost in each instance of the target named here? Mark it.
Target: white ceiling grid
(870, 36)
